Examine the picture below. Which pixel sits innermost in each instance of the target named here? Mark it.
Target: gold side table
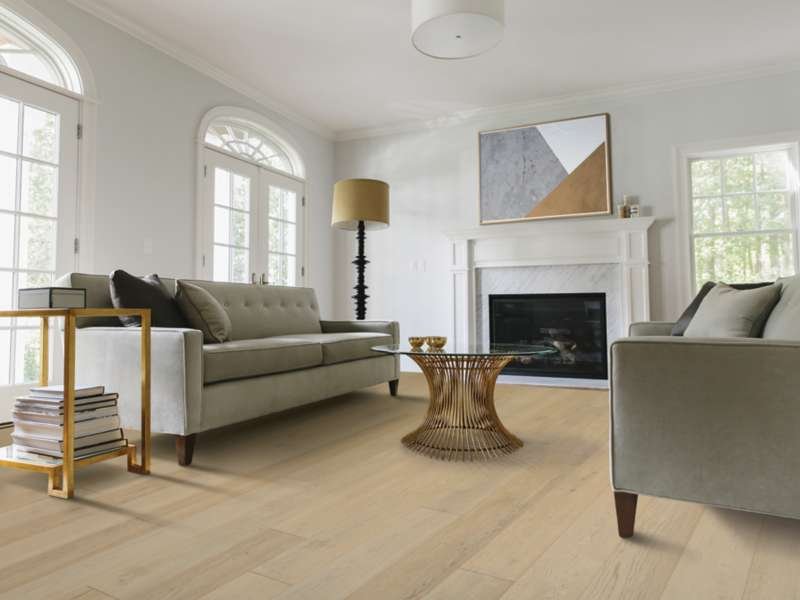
(462, 422)
(61, 474)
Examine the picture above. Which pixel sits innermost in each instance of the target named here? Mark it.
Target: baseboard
(560, 382)
(565, 382)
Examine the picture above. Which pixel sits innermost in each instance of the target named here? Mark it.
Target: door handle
(253, 278)
(264, 279)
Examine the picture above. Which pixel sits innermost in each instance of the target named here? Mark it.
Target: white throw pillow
(727, 312)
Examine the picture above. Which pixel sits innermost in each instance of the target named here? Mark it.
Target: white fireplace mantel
(606, 240)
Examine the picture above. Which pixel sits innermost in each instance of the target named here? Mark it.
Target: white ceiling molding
(198, 64)
(607, 94)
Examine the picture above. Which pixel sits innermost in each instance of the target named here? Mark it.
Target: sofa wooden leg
(626, 513)
(393, 386)
(184, 446)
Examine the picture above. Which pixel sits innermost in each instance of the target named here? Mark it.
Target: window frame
(204, 220)
(683, 158)
(261, 177)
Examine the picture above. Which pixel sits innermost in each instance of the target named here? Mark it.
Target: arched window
(26, 49)
(253, 201)
(243, 140)
(41, 100)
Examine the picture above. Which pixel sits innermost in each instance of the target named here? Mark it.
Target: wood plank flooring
(325, 503)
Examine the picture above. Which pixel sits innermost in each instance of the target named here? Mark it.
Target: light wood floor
(325, 503)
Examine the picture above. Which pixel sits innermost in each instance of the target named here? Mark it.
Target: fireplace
(574, 324)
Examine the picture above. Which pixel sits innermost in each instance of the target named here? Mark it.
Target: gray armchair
(707, 420)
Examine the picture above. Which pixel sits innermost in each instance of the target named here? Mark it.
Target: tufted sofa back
(255, 311)
(258, 311)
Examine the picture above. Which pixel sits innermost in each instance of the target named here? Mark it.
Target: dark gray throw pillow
(683, 322)
(204, 312)
(129, 291)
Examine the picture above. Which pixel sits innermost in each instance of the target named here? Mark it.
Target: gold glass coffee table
(462, 423)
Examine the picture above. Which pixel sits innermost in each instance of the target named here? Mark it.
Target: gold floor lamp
(358, 205)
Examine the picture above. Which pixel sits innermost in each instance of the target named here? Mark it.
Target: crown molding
(96, 9)
(605, 94)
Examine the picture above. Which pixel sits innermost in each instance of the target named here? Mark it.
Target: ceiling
(348, 64)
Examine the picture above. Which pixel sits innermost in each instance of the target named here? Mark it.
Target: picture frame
(548, 170)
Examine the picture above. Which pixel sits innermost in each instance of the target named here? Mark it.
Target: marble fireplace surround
(525, 258)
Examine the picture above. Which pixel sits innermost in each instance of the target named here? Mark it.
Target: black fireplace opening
(573, 324)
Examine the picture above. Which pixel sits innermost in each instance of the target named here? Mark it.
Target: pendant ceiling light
(456, 28)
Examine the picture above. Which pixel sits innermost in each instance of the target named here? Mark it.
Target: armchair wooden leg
(184, 446)
(626, 513)
(393, 386)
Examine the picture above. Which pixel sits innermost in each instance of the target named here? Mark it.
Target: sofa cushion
(261, 311)
(683, 321)
(98, 295)
(203, 312)
(727, 312)
(252, 358)
(129, 291)
(343, 347)
(784, 320)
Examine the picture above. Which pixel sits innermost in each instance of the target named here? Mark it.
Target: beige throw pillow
(204, 312)
(727, 312)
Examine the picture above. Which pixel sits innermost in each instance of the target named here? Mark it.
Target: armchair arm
(707, 420)
(644, 328)
(110, 356)
(388, 327)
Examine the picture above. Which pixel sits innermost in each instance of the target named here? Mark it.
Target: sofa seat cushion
(252, 358)
(343, 347)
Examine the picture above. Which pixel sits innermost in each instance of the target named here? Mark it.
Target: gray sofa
(710, 420)
(280, 355)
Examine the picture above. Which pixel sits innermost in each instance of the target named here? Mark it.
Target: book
(82, 453)
(51, 297)
(56, 392)
(56, 408)
(56, 431)
(57, 417)
(88, 403)
(39, 443)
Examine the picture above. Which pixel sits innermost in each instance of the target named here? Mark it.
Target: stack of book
(39, 423)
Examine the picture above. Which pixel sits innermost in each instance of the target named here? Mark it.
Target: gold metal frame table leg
(462, 422)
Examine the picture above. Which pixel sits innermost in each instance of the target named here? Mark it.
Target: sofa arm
(707, 420)
(110, 356)
(389, 327)
(646, 328)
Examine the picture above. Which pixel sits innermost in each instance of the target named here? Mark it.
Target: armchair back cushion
(784, 320)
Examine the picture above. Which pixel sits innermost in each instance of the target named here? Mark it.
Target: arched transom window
(247, 142)
(26, 49)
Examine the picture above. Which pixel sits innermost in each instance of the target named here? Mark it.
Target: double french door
(253, 223)
(38, 179)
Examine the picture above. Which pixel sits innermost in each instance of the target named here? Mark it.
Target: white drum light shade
(456, 28)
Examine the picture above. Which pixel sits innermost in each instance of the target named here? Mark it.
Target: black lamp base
(361, 263)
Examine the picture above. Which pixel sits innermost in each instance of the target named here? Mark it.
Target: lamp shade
(453, 29)
(357, 200)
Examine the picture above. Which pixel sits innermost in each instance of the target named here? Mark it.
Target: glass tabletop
(471, 350)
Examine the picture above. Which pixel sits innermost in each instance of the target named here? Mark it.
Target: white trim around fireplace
(591, 241)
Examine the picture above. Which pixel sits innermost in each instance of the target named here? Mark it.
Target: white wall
(434, 186)
(150, 109)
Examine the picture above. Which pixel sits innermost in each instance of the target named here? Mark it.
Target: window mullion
(723, 194)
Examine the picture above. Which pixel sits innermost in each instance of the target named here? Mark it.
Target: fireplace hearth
(574, 324)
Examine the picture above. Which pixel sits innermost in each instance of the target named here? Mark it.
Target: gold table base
(462, 423)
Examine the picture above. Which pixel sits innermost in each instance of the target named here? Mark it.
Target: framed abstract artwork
(545, 171)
